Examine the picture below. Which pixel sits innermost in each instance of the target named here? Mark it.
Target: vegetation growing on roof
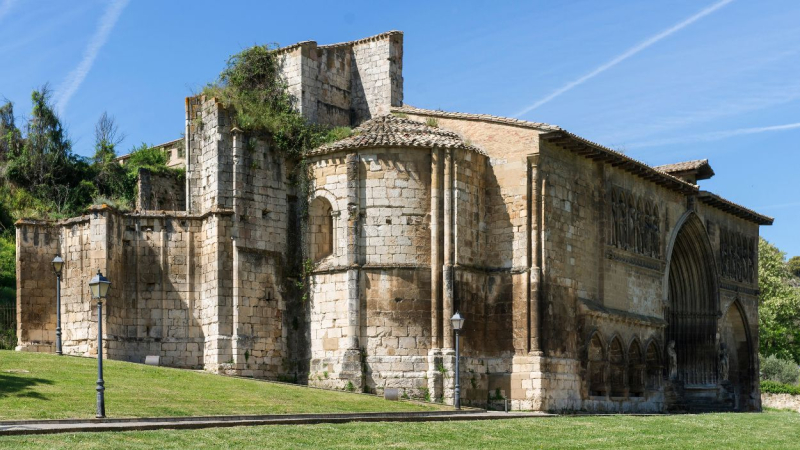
(252, 86)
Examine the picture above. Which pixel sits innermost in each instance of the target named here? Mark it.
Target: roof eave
(728, 206)
(597, 152)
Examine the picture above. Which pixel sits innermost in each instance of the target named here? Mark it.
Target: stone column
(164, 272)
(447, 267)
(237, 146)
(536, 236)
(351, 361)
(187, 142)
(448, 352)
(528, 380)
(435, 353)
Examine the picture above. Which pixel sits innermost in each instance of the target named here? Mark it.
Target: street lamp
(58, 265)
(99, 286)
(457, 322)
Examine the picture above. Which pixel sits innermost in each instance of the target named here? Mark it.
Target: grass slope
(773, 430)
(44, 386)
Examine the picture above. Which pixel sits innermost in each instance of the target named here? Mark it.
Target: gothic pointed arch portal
(692, 304)
(737, 356)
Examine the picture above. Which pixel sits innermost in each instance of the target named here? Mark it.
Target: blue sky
(663, 81)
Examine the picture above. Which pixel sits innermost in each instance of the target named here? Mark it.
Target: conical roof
(392, 131)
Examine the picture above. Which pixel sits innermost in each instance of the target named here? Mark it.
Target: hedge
(773, 387)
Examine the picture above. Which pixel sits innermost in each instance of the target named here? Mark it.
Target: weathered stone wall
(172, 292)
(36, 286)
(164, 192)
(781, 401)
(348, 83)
(377, 75)
(394, 255)
(209, 156)
(565, 288)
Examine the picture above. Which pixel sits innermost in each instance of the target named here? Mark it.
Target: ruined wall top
(347, 83)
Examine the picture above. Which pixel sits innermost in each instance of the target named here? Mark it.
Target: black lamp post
(457, 322)
(99, 286)
(58, 265)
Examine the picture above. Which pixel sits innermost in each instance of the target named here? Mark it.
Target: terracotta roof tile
(682, 166)
(728, 206)
(392, 131)
(593, 150)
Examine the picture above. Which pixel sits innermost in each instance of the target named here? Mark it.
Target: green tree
(45, 165)
(779, 312)
(794, 266)
(10, 136)
(109, 176)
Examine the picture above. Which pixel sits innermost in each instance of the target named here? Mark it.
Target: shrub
(8, 339)
(772, 387)
(779, 370)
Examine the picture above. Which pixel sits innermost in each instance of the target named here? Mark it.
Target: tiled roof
(392, 131)
(728, 206)
(682, 166)
(595, 151)
(482, 117)
(701, 168)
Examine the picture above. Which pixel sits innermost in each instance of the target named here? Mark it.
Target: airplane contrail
(627, 54)
(76, 77)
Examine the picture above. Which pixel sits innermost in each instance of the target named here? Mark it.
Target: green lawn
(44, 386)
(770, 430)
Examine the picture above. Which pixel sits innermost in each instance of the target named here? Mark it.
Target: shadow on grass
(18, 386)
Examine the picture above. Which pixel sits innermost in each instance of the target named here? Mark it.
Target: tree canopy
(794, 266)
(779, 311)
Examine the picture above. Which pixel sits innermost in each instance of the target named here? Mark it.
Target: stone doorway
(693, 302)
(735, 345)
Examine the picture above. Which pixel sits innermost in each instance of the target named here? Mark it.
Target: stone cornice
(594, 309)
(655, 265)
(735, 287)
(133, 215)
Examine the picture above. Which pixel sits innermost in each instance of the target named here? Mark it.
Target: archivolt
(693, 303)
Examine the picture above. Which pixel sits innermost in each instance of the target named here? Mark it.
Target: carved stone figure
(623, 222)
(647, 239)
(656, 244)
(631, 224)
(615, 218)
(637, 230)
(635, 223)
(724, 363)
(737, 255)
(673, 360)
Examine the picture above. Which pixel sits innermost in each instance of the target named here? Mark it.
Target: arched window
(616, 358)
(597, 367)
(636, 370)
(653, 367)
(320, 227)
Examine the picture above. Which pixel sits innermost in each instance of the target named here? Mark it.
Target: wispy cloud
(713, 136)
(622, 57)
(75, 78)
(5, 7)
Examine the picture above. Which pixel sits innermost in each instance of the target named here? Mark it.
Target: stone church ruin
(588, 280)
